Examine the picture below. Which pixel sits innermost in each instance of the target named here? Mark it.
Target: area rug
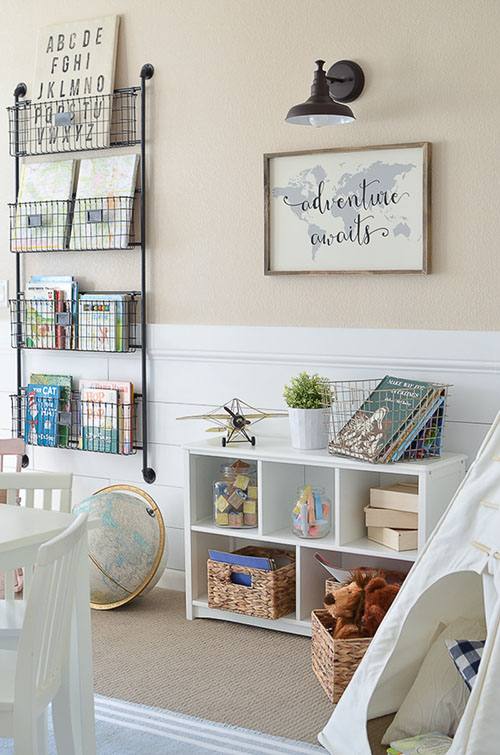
(129, 729)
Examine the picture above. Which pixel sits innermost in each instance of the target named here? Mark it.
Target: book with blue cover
(41, 423)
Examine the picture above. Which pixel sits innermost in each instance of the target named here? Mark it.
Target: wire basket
(74, 123)
(71, 422)
(61, 225)
(385, 420)
(94, 322)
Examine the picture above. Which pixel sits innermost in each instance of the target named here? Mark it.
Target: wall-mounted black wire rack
(100, 321)
(75, 123)
(77, 225)
(76, 423)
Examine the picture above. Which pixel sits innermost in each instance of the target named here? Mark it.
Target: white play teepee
(457, 574)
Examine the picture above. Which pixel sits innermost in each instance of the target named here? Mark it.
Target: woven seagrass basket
(334, 661)
(270, 595)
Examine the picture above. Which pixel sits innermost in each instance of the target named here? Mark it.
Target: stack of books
(106, 416)
(46, 297)
(392, 516)
(433, 743)
(399, 419)
(91, 321)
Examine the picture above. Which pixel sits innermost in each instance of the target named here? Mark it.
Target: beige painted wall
(226, 73)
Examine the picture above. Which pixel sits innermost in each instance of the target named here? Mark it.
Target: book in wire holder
(385, 420)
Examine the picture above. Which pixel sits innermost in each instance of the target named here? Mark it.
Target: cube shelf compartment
(280, 471)
(78, 415)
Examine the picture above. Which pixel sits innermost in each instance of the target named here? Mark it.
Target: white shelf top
(279, 449)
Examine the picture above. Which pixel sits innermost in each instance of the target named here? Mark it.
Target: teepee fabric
(456, 575)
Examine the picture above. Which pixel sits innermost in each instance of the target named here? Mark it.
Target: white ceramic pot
(307, 428)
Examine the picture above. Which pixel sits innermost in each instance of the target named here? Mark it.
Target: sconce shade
(321, 109)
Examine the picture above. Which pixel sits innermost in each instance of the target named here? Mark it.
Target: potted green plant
(306, 397)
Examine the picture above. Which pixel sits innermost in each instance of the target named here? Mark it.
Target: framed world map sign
(359, 210)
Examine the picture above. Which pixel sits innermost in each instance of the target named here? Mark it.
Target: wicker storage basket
(334, 661)
(270, 595)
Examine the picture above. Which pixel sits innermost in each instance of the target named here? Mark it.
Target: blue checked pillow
(466, 655)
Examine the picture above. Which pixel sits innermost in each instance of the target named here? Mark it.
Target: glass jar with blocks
(311, 512)
(235, 495)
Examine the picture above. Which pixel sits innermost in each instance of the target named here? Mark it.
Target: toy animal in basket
(360, 605)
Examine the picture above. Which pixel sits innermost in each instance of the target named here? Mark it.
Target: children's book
(125, 392)
(97, 325)
(68, 288)
(104, 202)
(42, 406)
(65, 383)
(382, 417)
(40, 317)
(433, 743)
(43, 209)
(434, 408)
(115, 326)
(99, 420)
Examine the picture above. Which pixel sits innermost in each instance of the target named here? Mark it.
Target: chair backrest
(24, 486)
(45, 636)
(11, 447)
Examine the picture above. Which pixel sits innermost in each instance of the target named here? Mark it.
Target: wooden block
(405, 520)
(398, 540)
(402, 496)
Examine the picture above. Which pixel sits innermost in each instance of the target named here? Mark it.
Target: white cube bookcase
(281, 469)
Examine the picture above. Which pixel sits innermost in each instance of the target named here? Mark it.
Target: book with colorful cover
(105, 185)
(112, 329)
(433, 743)
(42, 407)
(125, 392)
(68, 287)
(65, 383)
(45, 190)
(433, 413)
(40, 329)
(99, 420)
(97, 325)
(377, 424)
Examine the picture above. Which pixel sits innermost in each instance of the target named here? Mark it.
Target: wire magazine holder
(369, 420)
(74, 123)
(78, 424)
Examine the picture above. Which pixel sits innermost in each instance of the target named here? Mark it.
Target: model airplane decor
(234, 422)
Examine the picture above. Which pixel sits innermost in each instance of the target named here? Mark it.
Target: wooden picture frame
(348, 210)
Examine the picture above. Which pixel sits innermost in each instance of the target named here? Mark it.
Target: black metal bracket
(346, 80)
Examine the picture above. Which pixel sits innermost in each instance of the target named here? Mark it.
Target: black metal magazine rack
(92, 224)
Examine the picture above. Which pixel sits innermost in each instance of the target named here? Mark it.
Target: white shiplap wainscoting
(194, 368)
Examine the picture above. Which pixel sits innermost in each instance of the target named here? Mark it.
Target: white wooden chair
(48, 491)
(37, 673)
(13, 447)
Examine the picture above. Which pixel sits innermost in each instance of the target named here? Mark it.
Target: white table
(22, 531)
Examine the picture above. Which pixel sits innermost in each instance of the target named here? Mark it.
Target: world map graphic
(373, 196)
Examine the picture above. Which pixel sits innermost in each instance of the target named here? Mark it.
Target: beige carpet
(146, 652)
